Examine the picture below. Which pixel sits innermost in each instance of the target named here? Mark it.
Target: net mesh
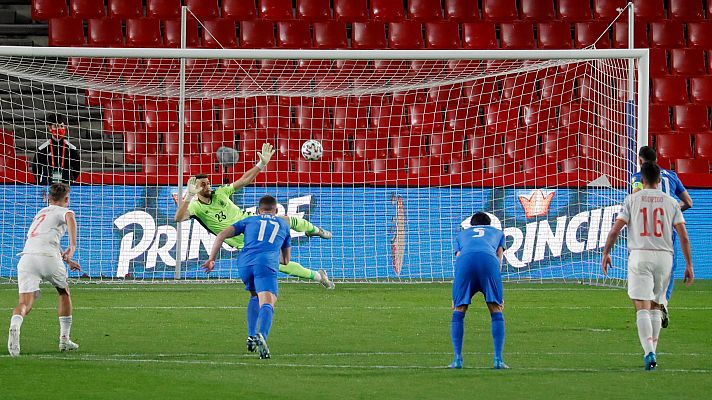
(411, 149)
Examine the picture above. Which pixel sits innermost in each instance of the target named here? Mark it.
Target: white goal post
(414, 143)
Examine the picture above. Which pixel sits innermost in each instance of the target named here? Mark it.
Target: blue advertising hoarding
(379, 233)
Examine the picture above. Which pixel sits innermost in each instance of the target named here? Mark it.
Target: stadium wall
(395, 233)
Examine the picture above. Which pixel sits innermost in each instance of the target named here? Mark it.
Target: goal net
(544, 142)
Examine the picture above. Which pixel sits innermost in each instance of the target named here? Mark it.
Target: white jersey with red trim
(651, 216)
(48, 227)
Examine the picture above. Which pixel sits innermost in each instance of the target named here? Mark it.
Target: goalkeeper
(215, 210)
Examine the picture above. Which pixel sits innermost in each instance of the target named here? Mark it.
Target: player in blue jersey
(266, 246)
(477, 269)
(670, 184)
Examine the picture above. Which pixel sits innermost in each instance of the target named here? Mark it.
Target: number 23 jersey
(220, 213)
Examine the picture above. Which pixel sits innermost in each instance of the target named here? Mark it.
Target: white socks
(656, 318)
(16, 321)
(645, 331)
(65, 325)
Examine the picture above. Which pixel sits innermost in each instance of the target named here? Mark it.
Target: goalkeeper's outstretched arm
(263, 159)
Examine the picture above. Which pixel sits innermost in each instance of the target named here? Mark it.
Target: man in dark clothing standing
(56, 160)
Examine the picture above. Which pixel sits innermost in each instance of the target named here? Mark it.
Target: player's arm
(286, 249)
(685, 201)
(610, 241)
(183, 213)
(226, 233)
(67, 255)
(248, 177)
(686, 251)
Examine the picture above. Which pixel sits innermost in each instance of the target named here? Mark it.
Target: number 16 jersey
(220, 213)
(650, 215)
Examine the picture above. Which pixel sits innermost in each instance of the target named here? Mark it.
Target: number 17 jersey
(265, 237)
(651, 216)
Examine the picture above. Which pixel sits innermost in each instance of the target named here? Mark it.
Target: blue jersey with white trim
(669, 183)
(481, 239)
(265, 236)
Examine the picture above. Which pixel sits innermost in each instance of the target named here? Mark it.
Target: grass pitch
(359, 341)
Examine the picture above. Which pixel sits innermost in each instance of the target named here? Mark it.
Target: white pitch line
(376, 308)
(270, 363)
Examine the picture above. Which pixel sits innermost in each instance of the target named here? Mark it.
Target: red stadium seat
(574, 10)
(607, 9)
(273, 116)
(447, 144)
(368, 35)
(669, 90)
(105, 32)
(387, 118)
(171, 144)
(219, 33)
(667, 34)
(540, 166)
(481, 91)
(658, 62)
(499, 10)
(289, 143)
(125, 9)
(554, 35)
(137, 146)
(425, 166)
(659, 118)
(519, 89)
(699, 34)
(160, 116)
(687, 62)
(351, 10)
(238, 10)
(293, 35)
(235, 115)
(119, 116)
(424, 117)
(686, 10)
(43, 10)
(673, 146)
(516, 36)
(692, 166)
(405, 145)
(311, 117)
(538, 10)
(465, 165)
(330, 35)
(257, 34)
(591, 33)
(425, 10)
(275, 10)
(461, 10)
(497, 165)
(701, 89)
(446, 96)
(620, 35)
(350, 118)
(405, 35)
(570, 165)
(199, 116)
(519, 145)
(66, 31)
(559, 145)
(479, 35)
(501, 118)
(87, 9)
(649, 10)
(703, 145)
(577, 117)
(313, 10)
(691, 118)
(481, 145)
(557, 89)
(387, 10)
(163, 9)
(143, 32)
(203, 8)
(370, 145)
(442, 35)
(171, 33)
(539, 118)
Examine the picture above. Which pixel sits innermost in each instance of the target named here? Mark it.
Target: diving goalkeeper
(215, 210)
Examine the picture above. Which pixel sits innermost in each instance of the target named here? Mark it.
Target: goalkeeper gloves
(265, 155)
(193, 188)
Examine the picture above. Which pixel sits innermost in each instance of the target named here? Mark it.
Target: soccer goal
(414, 142)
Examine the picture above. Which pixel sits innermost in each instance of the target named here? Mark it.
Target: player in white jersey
(650, 216)
(42, 261)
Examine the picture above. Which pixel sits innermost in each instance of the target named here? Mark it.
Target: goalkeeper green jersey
(220, 213)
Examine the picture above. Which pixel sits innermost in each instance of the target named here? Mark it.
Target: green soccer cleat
(322, 233)
(665, 321)
(262, 348)
(650, 362)
(499, 364)
(456, 363)
(251, 344)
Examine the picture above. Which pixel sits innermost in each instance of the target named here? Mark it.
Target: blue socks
(457, 331)
(266, 313)
(253, 311)
(497, 334)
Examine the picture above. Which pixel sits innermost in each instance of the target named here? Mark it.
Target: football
(312, 150)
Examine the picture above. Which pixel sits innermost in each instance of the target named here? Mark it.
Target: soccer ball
(312, 150)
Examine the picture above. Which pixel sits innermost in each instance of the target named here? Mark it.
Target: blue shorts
(258, 278)
(477, 272)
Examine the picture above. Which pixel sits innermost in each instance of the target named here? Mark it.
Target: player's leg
(640, 291)
(64, 310)
(462, 292)
(253, 306)
(267, 291)
(302, 225)
(665, 318)
(28, 282)
(491, 284)
(296, 269)
(661, 276)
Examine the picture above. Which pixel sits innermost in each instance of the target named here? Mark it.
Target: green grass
(359, 341)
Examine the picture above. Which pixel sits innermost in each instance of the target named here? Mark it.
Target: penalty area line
(327, 307)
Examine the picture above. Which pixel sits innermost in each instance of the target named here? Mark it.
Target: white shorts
(35, 268)
(649, 275)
